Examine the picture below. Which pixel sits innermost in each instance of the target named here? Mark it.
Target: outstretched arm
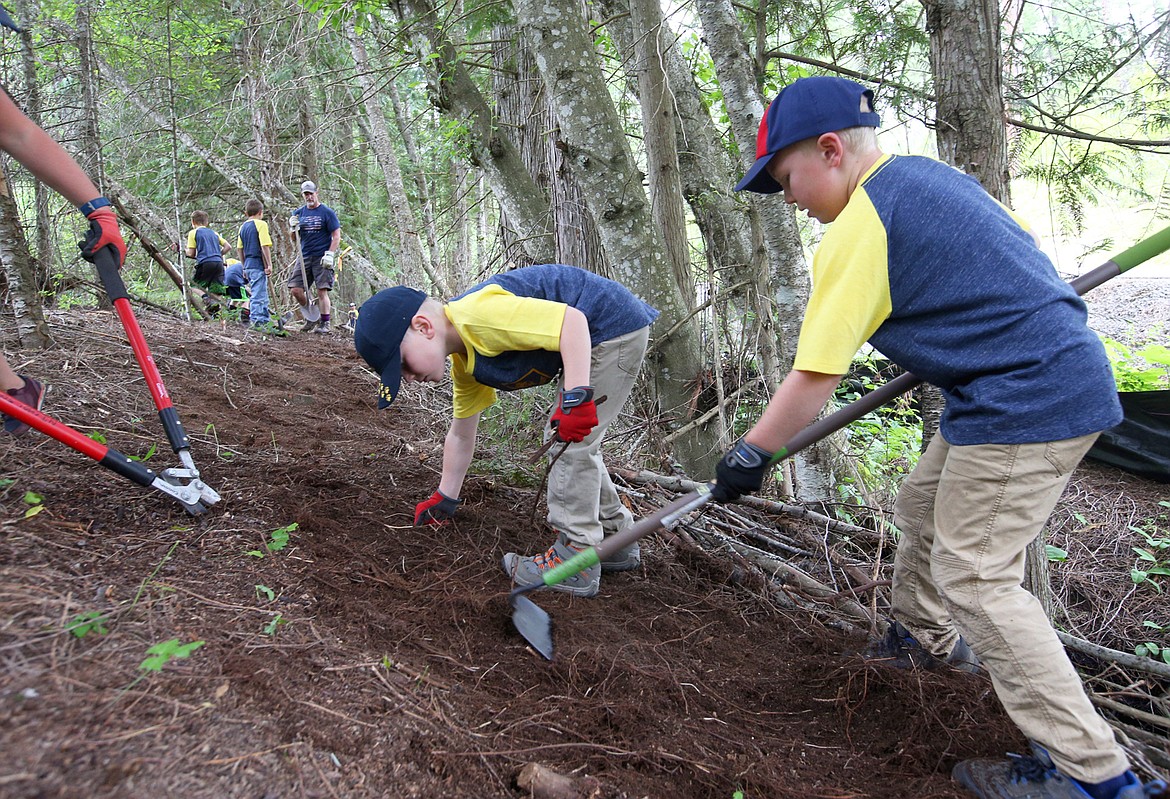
(458, 450)
(21, 138)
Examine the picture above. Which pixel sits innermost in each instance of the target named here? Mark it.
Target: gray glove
(327, 258)
(294, 223)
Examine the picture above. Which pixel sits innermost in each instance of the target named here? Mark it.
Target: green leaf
(83, 624)
(1055, 554)
(266, 592)
(33, 498)
(163, 653)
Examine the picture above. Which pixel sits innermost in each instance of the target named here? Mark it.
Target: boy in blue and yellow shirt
(950, 285)
(517, 330)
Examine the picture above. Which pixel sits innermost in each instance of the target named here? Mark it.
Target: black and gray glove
(741, 471)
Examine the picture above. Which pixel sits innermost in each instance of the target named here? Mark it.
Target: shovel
(310, 312)
(536, 626)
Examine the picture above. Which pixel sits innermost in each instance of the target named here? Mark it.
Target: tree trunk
(46, 244)
(419, 176)
(456, 95)
(598, 153)
(412, 261)
(967, 67)
(777, 237)
(525, 107)
(19, 273)
(651, 43)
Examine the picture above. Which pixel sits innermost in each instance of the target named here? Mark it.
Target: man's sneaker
(530, 570)
(308, 326)
(323, 328)
(31, 394)
(624, 560)
(1035, 777)
(900, 649)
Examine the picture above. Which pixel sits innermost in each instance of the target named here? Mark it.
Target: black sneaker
(1035, 777)
(32, 394)
(901, 650)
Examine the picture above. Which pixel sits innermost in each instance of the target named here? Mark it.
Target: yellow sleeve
(262, 231)
(191, 239)
(850, 292)
(468, 397)
(494, 320)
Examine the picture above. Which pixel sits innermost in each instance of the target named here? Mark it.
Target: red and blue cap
(381, 325)
(803, 110)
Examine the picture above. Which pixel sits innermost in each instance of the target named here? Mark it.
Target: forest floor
(370, 658)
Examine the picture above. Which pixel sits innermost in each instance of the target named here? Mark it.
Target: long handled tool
(182, 482)
(536, 626)
(310, 312)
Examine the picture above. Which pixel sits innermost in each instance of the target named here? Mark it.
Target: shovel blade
(310, 312)
(533, 624)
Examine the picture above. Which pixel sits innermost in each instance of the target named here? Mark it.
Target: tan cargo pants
(966, 515)
(582, 500)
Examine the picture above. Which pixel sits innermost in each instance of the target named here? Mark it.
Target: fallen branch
(1114, 656)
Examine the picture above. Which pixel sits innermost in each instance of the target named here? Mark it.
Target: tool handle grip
(666, 517)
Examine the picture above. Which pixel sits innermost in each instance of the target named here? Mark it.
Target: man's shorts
(318, 276)
(209, 272)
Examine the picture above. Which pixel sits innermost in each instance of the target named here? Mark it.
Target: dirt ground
(369, 658)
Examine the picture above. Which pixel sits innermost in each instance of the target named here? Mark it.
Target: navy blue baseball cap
(803, 110)
(381, 325)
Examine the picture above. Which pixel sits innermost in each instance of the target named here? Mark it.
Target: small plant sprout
(83, 624)
(35, 502)
(274, 624)
(1151, 649)
(1153, 559)
(163, 653)
(264, 592)
(277, 540)
(1055, 554)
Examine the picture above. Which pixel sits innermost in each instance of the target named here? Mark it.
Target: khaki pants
(966, 515)
(582, 501)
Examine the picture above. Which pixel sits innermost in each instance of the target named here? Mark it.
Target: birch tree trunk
(19, 273)
(456, 95)
(651, 43)
(774, 225)
(412, 260)
(599, 155)
(46, 245)
(419, 176)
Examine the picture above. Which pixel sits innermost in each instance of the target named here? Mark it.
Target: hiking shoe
(530, 570)
(31, 394)
(1035, 777)
(323, 328)
(624, 560)
(901, 650)
(308, 326)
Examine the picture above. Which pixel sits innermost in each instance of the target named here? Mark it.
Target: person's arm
(25, 141)
(795, 404)
(458, 450)
(335, 240)
(224, 247)
(266, 254)
(793, 407)
(576, 348)
(190, 244)
(21, 138)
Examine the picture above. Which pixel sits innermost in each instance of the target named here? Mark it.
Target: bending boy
(949, 284)
(514, 331)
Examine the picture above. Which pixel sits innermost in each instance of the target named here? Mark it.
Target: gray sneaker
(32, 394)
(530, 570)
(624, 560)
(308, 326)
(323, 328)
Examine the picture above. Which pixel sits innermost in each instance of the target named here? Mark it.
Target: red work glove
(576, 414)
(103, 231)
(436, 509)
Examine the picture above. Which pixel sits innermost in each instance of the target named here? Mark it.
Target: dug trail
(347, 653)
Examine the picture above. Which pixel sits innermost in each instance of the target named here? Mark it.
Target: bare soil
(370, 658)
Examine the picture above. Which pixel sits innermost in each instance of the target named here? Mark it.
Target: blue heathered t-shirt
(317, 226)
(979, 311)
(207, 246)
(611, 309)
